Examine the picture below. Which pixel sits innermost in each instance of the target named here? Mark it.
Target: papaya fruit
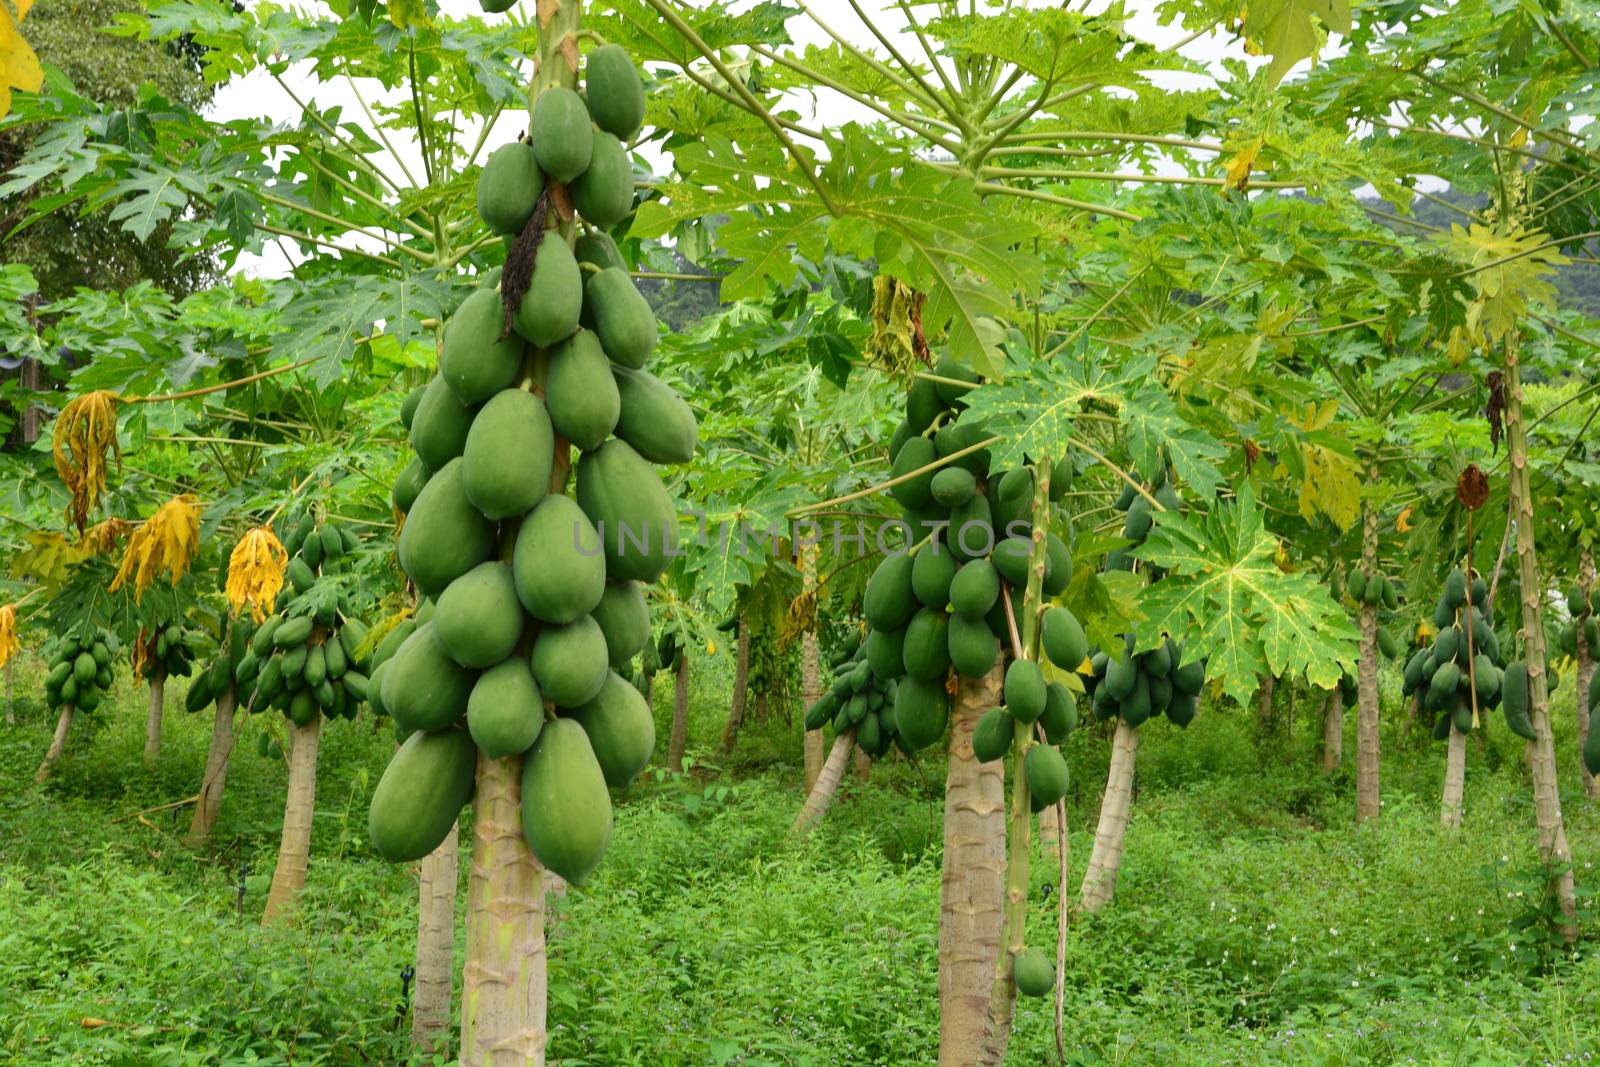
(921, 712)
(953, 486)
(915, 493)
(1024, 690)
(603, 193)
(424, 689)
(622, 732)
(974, 589)
(199, 694)
(478, 618)
(475, 361)
(302, 709)
(1136, 526)
(949, 367)
(1057, 565)
(1120, 677)
(1514, 700)
(1373, 593)
(820, 713)
(1137, 706)
(408, 406)
(557, 563)
(653, 418)
(355, 683)
(1591, 746)
(973, 646)
(1011, 501)
(629, 506)
(444, 537)
(926, 649)
(1455, 588)
(374, 689)
(1157, 662)
(1411, 678)
(624, 619)
(566, 810)
(886, 652)
(421, 794)
(570, 662)
(293, 631)
(599, 248)
(1046, 772)
(301, 576)
(550, 308)
(1355, 584)
(622, 317)
(1063, 638)
(580, 392)
(505, 709)
(315, 670)
(614, 91)
(1060, 715)
(1446, 680)
(922, 406)
(1010, 558)
(392, 641)
(991, 738)
(1061, 475)
(505, 466)
(560, 130)
(1033, 973)
(509, 187)
(932, 571)
(439, 430)
(1389, 595)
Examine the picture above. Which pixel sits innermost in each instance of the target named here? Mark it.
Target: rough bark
(1333, 732)
(152, 722)
(503, 983)
(58, 745)
(1455, 780)
(1552, 831)
(811, 692)
(294, 850)
(1100, 881)
(1367, 795)
(1050, 831)
(763, 708)
(678, 740)
(863, 764)
(971, 881)
(29, 381)
(1591, 785)
(741, 687)
(821, 796)
(1264, 707)
(436, 947)
(208, 803)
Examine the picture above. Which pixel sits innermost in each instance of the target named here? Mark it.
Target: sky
(258, 95)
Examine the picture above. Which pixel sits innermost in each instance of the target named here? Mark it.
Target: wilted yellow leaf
(166, 542)
(255, 571)
(1243, 160)
(83, 433)
(103, 536)
(9, 645)
(1403, 523)
(48, 557)
(19, 67)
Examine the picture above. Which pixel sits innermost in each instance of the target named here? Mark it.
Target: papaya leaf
(1288, 30)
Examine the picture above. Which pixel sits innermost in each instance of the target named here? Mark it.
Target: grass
(1254, 924)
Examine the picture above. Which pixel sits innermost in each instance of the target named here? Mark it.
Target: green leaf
(1287, 30)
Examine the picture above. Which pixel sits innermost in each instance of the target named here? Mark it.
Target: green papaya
(1060, 716)
(1057, 565)
(408, 406)
(953, 486)
(550, 308)
(199, 694)
(654, 419)
(557, 562)
(1046, 772)
(509, 187)
(1591, 745)
(392, 641)
(1061, 475)
(926, 650)
(1120, 677)
(975, 588)
(915, 492)
(1011, 501)
(562, 136)
(439, 430)
(624, 619)
(1446, 680)
(581, 395)
(478, 618)
(1010, 558)
(1412, 678)
(971, 533)
(570, 662)
(1182, 709)
(630, 507)
(1033, 973)
(566, 810)
(444, 537)
(819, 714)
(932, 571)
(293, 631)
(622, 317)
(1389, 595)
(1024, 690)
(261, 642)
(1356, 585)
(603, 193)
(991, 738)
(922, 405)
(374, 689)
(973, 646)
(475, 361)
(614, 91)
(1063, 639)
(302, 709)
(505, 466)
(505, 709)
(424, 689)
(622, 732)
(1514, 700)
(599, 248)
(951, 368)
(314, 671)
(423, 789)
(921, 712)
(1373, 593)
(355, 683)
(1455, 588)
(1447, 645)
(1137, 706)
(886, 652)
(1136, 526)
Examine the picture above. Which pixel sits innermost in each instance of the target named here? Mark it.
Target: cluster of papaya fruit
(79, 670)
(168, 650)
(1380, 592)
(1591, 743)
(1139, 516)
(1137, 686)
(1585, 615)
(223, 671)
(1463, 670)
(861, 700)
(537, 597)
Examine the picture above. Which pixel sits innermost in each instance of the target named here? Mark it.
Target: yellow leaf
(103, 536)
(1403, 523)
(19, 66)
(9, 645)
(255, 571)
(48, 558)
(83, 433)
(1243, 160)
(1332, 485)
(166, 542)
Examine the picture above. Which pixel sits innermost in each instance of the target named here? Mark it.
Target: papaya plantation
(680, 533)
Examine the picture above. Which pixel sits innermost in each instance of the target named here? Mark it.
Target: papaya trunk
(971, 882)
(294, 851)
(1367, 797)
(1100, 881)
(436, 947)
(152, 722)
(820, 799)
(1586, 654)
(208, 803)
(1050, 832)
(763, 708)
(863, 765)
(58, 745)
(1455, 780)
(810, 693)
(1552, 832)
(679, 738)
(741, 687)
(503, 982)
(1264, 711)
(1332, 732)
